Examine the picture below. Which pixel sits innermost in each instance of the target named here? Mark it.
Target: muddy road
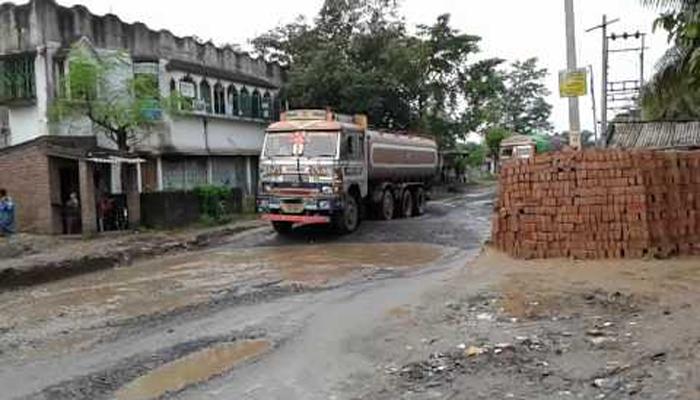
(263, 317)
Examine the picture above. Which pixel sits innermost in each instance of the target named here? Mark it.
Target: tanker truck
(319, 167)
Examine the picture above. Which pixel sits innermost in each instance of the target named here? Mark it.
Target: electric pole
(604, 72)
(574, 117)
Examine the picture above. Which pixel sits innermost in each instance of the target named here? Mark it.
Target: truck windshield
(301, 144)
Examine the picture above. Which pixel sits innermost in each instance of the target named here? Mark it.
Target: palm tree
(674, 91)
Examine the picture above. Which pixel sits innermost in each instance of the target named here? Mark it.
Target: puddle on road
(193, 369)
(48, 312)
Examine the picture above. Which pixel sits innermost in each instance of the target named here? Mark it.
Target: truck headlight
(324, 205)
(328, 190)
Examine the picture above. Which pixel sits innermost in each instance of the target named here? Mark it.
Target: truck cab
(313, 170)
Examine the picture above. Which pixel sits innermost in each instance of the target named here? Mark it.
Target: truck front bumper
(297, 219)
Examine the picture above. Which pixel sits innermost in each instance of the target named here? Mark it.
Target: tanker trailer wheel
(419, 202)
(386, 211)
(349, 220)
(283, 228)
(406, 204)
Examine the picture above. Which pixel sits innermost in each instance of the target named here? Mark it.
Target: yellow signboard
(573, 83)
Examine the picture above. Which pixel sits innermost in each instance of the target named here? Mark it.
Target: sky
(510, 29)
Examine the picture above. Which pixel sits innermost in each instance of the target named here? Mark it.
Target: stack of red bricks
(600, 204)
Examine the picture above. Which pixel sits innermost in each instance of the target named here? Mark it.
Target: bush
(212, 202)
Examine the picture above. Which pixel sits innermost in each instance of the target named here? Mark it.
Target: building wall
(28, 26)
(190, 134)
(24, 124)
(25, 175)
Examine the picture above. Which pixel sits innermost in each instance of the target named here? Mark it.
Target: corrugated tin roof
(518, 140)
(655, 135)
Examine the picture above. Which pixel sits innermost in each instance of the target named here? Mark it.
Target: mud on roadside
(550, 330)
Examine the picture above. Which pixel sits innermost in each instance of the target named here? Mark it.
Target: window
(255, 106)
(188, 91)
(146, 80)
(219, 99)
(83, 89)
(147, 89)
(5, 138)
(246, 110)
(204, 97)
(17, 78)
(351, 147)
(59, 74)
(266, 105)
(233, 101)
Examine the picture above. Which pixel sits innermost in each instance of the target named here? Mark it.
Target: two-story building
(234, 94)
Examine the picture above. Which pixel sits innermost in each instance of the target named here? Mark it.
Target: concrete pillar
(210, 171)
(139, 178)
(159, 172)
(116, 172)
(87, 198)
(249, 175)
(133, 197)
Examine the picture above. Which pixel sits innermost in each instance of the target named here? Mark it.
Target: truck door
(353, 158)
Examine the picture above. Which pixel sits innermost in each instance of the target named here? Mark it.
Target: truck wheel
(419, 202)
(406, 204)
(387, 208)
(283, 228)
(349, 220)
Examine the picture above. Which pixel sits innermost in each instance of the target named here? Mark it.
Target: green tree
(673, 93)
(494, 137)
(477, 155)
(357, 56)
(525, 109)
(101, 89)
(484, 91)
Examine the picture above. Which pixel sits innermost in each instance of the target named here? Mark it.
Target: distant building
(516, 147)
(235, 95)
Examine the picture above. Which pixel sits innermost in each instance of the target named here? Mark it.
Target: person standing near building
(72, 213)
(104, 212)
(7, 214)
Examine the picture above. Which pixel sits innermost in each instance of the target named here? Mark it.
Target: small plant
(213, 203)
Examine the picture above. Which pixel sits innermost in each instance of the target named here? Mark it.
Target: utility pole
(641, 62)
(604, 89)
(593, 102)
(574, 117)
(604, 72)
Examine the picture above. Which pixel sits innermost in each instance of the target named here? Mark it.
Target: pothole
(195, 368)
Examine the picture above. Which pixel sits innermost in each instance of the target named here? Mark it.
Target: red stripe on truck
(297, 219)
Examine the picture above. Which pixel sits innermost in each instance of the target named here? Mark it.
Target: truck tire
(349, 220)
(419, 202)
(407, 204)
(387, 207)
(283, 228)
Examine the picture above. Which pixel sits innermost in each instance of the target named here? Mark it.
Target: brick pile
(599, 204)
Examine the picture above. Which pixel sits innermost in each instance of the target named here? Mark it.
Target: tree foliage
(674, 91)
(101, 88)
(525, 108)
(477, 155)
(358, 56)
(494, 137)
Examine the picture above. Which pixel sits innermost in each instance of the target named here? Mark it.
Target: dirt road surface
(410, 309)
(264, 317)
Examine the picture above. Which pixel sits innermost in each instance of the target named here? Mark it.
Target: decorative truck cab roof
(317, 120)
